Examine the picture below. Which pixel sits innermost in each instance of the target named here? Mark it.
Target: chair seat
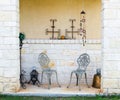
(79, 71)
(49, 71)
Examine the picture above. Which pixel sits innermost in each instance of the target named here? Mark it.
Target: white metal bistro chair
(83, 61)
(44, 63)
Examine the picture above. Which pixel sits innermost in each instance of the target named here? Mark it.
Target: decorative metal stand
(22, 72)
(72, 28)
(21, 38)
(23, 79)
(34, 78)
(53, 28)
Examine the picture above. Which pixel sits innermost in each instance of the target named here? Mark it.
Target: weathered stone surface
(110, 83)
(1, 87)
(112, 91)
(1, 71)
(14, 2)
(108, 15)
(8, 80)
(9, 72)
(119, 84)
(8, 16)
(5, 2)
(111, 74)
(9, 45)
(11, 87)
(111, 45)
(9, 63)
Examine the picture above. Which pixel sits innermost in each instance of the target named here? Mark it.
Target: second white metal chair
(83, 61)
(44, 63)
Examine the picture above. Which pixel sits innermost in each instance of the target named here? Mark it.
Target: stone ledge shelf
(45, 41)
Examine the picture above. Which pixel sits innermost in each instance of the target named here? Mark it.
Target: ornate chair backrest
(83, 61)
(43, 60)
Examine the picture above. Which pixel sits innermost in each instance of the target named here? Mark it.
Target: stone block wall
(111, 46)
(9, 45)
(63, 55)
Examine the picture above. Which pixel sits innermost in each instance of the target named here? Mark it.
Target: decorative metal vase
(97, 79)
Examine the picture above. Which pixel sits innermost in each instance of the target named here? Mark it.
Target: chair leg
(38, 83)
(79, 82)
(42, 77)
(23, 86)
(49, 80)
(76, 80)
(86, 80)
(57, 79)
(79, 79)
(70, 79)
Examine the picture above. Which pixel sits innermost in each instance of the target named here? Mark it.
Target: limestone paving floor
(58, 91)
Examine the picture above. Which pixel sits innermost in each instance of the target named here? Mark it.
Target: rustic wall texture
(9, 46)
(111, 45)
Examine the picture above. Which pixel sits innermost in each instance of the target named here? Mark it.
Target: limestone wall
(63, 55)
(9, 46)
(111, 46)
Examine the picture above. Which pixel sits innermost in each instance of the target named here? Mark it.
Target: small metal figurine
(23, 79)
(34, 78)
(53, 28)
(72, 28)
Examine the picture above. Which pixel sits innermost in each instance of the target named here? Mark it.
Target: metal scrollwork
(44, 63)
(83, 61)
(43, 60)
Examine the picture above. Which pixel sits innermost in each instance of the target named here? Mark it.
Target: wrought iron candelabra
(53, 29)
(72, 28)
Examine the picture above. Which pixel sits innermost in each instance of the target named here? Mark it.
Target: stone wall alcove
(63, 53)
(9, 42)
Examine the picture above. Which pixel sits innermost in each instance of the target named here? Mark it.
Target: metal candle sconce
(72, 28)
(53, 28)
